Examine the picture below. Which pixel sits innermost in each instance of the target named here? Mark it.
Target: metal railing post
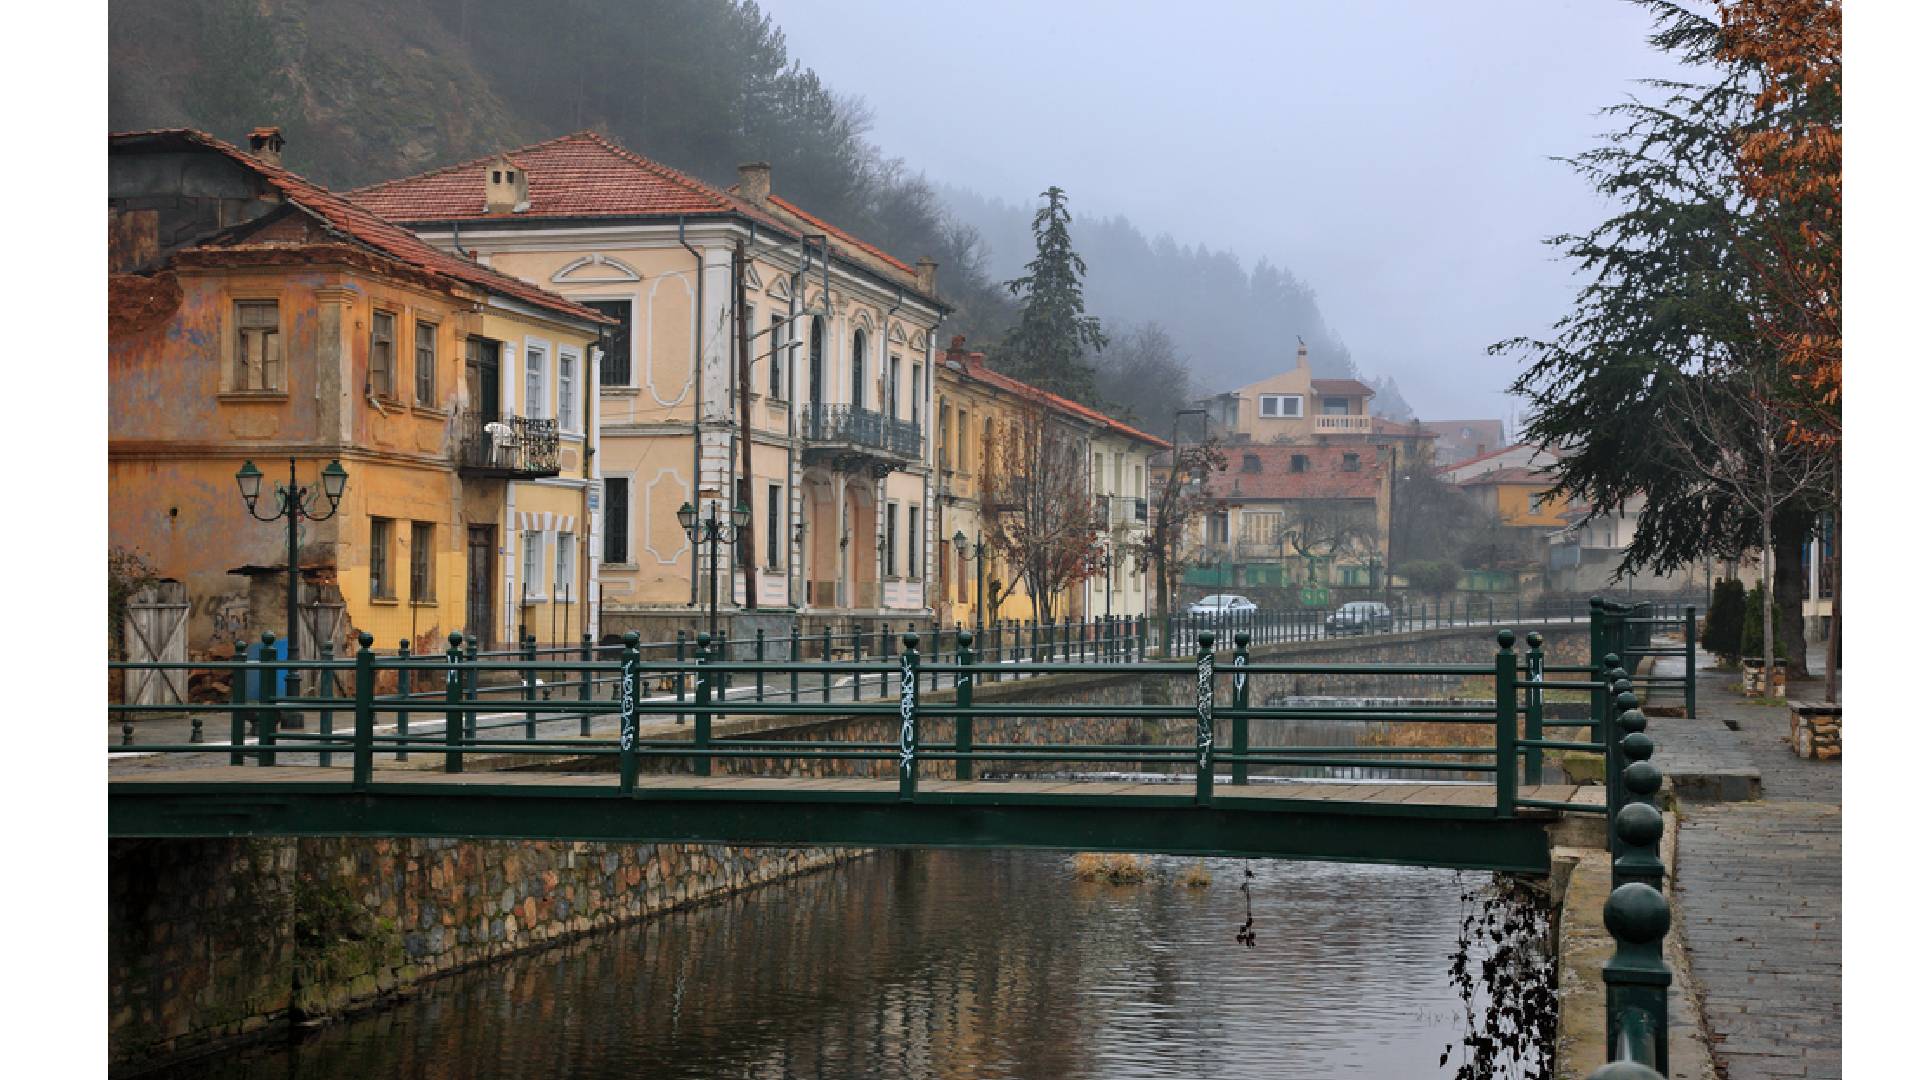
(856, 659)
(266, 720)
(1506, 678)
(1692, 639)
(760, 657)
(1203, 721)
(1596, 649)
(793, 658)
(629, 720)
(528, 680)
(679, 673)
(470, 690)
(1536, 704)
(963, 711)
(1242, 692)
(586, 685)
(702, 702)
(455, 761)
(237, 726)
(826, 657)
(326, 685)
(909, 716)
(363, 676)
(1636, 976)
(403, 685)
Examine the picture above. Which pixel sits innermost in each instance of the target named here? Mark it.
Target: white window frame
(567, 386)
(632, 300)
(273, 349)
(913, 542)
(1280, 403)
(563, 546)
(533, 379)
(893, 540)
(533, 563)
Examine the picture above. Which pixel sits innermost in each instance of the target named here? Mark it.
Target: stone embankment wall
(215, 939)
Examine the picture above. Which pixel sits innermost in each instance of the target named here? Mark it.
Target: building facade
(255, 316)
(1292, 523)
(1292, 407)
(735, 309)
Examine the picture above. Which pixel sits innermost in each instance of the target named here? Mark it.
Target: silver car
(1221, 604)
(1360, 617)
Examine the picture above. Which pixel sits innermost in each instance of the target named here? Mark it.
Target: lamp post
(714, 532)
(976, 551)
(1106, 564)
(294, 502)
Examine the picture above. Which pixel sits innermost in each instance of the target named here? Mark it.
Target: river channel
(915, 964)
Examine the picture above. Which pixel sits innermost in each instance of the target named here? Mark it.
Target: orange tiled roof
(1342, 388)
(360, 226)
(974, 366)
(1511, 475)
(587, 175)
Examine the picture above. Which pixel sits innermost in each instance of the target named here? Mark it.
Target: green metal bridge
(955, 767)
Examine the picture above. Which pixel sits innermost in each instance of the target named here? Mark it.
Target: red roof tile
(1342, 388)
(1326, 476)
(1511, 475)
(356, 224)
(587, 175)
(974, 366)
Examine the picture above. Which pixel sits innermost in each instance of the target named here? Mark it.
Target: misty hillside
(371, 89)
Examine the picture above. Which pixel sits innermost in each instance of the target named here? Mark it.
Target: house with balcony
(760, 356)
(256, 316)
(975, 406)
(1293, 407)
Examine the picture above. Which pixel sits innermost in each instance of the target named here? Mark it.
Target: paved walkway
(1757, 887)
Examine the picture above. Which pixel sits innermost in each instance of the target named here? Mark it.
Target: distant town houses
(532, 366)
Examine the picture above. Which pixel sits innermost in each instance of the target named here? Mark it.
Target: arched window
(859, 369)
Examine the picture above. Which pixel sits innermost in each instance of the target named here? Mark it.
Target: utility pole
(745, 381)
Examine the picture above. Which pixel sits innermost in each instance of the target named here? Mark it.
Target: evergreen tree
(1050, 344)
(1726, 621)
(1753, 633)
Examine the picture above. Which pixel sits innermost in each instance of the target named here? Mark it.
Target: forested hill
(370, 89)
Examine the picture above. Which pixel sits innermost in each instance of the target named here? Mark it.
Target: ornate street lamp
(714, 532)
(293, 502)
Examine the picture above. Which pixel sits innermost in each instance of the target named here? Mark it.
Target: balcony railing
(864, 429)
(512, 446)
(1342, 425)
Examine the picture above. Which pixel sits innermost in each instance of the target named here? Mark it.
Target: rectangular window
(614, 537)
(961, 460)
(616, 364)
(380, 356)
(563, 567)
(257, 352)
(1099, 471)
(776, 357)
(569, 372)
(380, 559)
(1299, 463)
(426, 352)
(1333, 406)
(420, 558)
(913, 407)
(1350, 462)
(775, 533)
(1280, 405)
(913, 541)
(893, 532)
(893, 386)
(536, 403)
(532, 562)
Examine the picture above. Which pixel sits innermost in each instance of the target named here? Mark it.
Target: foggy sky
(1393, 154)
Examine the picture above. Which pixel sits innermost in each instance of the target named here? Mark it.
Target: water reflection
(952, 964)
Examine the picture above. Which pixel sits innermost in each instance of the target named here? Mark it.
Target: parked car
(1222, 604)
(1360, 617)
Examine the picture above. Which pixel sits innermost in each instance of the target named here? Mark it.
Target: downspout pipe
(699, 385)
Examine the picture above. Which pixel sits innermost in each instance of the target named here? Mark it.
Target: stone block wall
(213, 940)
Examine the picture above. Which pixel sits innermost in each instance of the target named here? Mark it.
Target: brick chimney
(506, 187)
(266, 143)
(1300, 357)
(957, 350)
(756, 182)
(923, 274)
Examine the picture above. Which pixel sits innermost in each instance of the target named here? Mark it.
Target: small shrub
(1112, 869)
(1752, 641)
(1726, 619)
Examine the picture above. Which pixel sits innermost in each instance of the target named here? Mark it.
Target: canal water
(912, 964)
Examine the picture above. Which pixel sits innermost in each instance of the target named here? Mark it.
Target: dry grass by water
(1111, 869)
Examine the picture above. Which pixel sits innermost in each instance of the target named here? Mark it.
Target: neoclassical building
(834, 385)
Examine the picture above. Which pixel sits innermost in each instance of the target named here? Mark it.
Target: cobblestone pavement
(1758, 890)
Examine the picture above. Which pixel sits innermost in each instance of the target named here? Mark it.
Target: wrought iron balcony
(861, 431)
(512, 447)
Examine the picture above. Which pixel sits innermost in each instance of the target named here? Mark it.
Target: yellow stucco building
(838, 385)
(1293, 406)
(256, 316)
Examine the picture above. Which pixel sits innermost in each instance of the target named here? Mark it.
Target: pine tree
(1726, 620)
(1049, 347)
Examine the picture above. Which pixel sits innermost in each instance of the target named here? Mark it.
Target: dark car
(1360, 617)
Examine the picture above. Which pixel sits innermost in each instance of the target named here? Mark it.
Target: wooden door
(480, 584)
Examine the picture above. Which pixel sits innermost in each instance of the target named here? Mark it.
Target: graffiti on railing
(1204, 712)
(909, 691)
(627, 724)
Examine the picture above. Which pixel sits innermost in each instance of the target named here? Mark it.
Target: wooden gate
(156, 631)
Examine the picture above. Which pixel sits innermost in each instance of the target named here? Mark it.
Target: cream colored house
(838, 380)
(1293, 407)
